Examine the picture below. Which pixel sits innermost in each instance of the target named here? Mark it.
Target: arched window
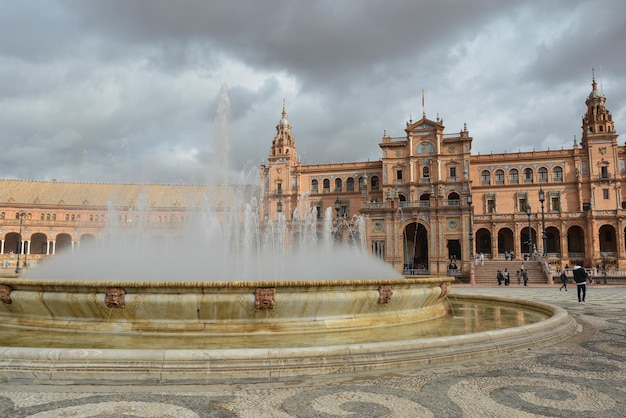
(528, 175)
(514, 176)
(67, 217)
(314, 186)
(350, 184)
(374, 183)
(425, 171)
(326, 186)
(338, 185)
(43, 217)
(557, 174)
(499, 176)
(485, 177)
(543, 175)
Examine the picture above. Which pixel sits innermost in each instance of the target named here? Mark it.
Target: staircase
(485, 275)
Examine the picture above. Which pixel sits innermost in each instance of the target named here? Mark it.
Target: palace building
(425, 204)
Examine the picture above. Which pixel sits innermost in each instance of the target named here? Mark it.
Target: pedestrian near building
(580, 277)
(519, 277)
(564, 281)
(525, 276)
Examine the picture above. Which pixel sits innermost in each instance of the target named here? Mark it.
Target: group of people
(504, 276)
(580, 278)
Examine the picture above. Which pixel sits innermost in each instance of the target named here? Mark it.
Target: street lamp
(19, 245)
(337, 207)
(530, 234)
(542, 198)
(471, 227)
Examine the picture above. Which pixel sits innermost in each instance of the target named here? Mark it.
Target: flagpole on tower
(423, 110)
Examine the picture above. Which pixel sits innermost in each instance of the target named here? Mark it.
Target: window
(361, 183)
(499, 176)
(491, 205)
(279, 188)
(605, 193)
(314, 186)
(543, 175)
(279, 207)
(374, 183)
(558, 174)
(604, 172)
(485, 177)
(350, 184)
(555, 204)
(522, 204)
(584, 168)
(42, 217)
(426, 172)
(452, 172)
(326, 186)
(514, 176)
(338, 185)
(399, 174)
(528, 175)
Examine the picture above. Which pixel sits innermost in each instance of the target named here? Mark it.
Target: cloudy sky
(129, 91)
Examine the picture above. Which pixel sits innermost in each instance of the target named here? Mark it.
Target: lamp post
(337, 207)
(530, 234)
(19, 245)
(471, 227)
(542, 198)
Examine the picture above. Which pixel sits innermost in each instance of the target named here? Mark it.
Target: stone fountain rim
(25, 282)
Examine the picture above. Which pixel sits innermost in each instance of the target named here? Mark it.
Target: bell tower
(599, 155)
(283, 145)
(281, 177)
(597, 121)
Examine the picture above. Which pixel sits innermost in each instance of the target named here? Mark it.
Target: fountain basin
(218, 308)
(323, 305)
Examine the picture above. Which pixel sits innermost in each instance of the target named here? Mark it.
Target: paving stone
(579, 377)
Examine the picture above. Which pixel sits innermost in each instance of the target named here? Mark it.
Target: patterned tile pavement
(584, 376)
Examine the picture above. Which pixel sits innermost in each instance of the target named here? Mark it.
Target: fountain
(243, 304)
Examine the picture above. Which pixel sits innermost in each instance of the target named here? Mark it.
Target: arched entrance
(415, 239)
(63, 242)
(576, 242)
(505, 240)
(38, 244)
(608, 240)
(483, 242)
(553, 241)
(528, 241)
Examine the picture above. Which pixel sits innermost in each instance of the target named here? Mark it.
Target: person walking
(564, 281)
(580, 277)
(525, 276)
(507, 277)
(499, 276)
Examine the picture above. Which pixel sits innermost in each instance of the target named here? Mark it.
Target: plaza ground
(583, 376)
